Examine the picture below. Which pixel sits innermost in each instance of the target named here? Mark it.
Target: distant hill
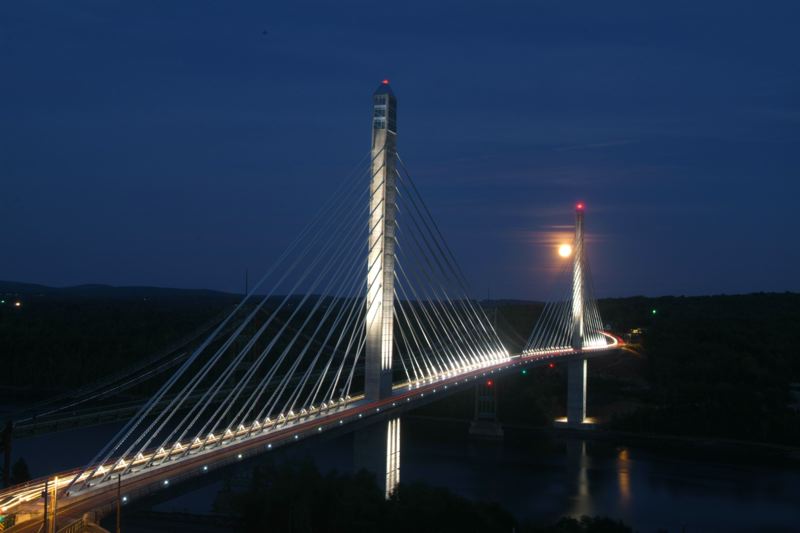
(65, 337)
(14, 288)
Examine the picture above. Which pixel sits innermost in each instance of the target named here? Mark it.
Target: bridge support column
(485, 424)
(377, 447)
(576, 392)
(377, 450)
(381, 255)
(577, 369)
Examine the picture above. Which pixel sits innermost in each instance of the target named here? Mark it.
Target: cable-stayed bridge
(365, 315)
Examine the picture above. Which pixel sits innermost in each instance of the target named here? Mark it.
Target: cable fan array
(293, 348)
(440, 330)
(577, 307)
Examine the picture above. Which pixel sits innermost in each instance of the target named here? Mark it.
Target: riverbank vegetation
(721, 367)
(297, 497)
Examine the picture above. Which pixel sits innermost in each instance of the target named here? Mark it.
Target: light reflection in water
(624, 476)
(578, 471)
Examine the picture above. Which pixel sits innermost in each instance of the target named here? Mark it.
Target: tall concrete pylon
(377, 447)
(381, 257)
(577, 368)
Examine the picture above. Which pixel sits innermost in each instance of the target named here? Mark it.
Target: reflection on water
(624, 476)
(577, 466)
(539, 476)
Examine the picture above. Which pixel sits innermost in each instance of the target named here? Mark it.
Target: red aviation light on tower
(489, 382)
(579, 206)
(385, 82)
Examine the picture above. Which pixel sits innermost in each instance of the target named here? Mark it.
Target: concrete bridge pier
(377, 450)
(485, 424)
(576, 392)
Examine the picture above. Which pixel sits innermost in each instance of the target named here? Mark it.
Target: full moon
(565, 250)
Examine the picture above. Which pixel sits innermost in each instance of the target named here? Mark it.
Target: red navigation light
(385, 82)
(489, 382)
(552, 365)
(579, 206)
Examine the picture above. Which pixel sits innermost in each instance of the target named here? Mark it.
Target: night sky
(178, 143)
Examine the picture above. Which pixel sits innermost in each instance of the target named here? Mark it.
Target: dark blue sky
(170, 143)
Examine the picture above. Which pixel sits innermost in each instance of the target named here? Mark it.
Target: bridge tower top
(384, 112)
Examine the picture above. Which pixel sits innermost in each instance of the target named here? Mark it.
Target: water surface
(537, 476)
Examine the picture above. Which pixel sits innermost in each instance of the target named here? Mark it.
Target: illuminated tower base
(576, 391)
(577, 373)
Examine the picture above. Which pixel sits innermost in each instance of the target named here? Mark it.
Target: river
(541, 476)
